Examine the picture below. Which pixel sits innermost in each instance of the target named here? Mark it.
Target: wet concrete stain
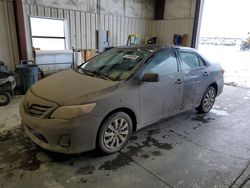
(145, 156)
(83, 181)
(5, 136)
(120, 161)
(156, 153)
(133, 137)
(86, 170)
(202, 118)
(18, 152)
(124, 158)
(178, 134)
(9, 176)
(158, 144)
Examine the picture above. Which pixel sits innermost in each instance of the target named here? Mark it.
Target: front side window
(115, 64)
(163, 63)
(47, 34)
(190, 61)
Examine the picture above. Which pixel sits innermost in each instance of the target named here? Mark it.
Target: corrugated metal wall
(82, 26)
(8, 38)
(165, 29)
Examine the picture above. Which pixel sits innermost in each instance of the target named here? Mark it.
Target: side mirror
(150, 77)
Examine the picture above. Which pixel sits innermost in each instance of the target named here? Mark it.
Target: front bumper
(65, 136)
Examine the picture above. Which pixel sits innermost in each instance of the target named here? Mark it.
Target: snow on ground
(236, 63)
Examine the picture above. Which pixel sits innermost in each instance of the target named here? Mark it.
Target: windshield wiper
(96, 74)
(87, 72)
(106, 77)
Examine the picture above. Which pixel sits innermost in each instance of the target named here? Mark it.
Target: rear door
(195, 74)
(160, 99)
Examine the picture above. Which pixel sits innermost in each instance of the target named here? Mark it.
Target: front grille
(38, 110)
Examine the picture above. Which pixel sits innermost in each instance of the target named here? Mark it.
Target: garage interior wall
(83, 19)
(8, 37)
(178, 19)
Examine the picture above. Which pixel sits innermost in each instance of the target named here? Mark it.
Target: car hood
(72, 88)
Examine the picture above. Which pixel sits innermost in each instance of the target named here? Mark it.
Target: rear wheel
(207, 101)
(115, 132)
(4, 99)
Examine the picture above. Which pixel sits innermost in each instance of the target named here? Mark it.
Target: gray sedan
(100, 103)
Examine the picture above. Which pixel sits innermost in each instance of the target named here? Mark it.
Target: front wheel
(115, 132)
(207, 101)
(4, 99)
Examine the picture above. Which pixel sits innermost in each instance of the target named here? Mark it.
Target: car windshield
(115, 64)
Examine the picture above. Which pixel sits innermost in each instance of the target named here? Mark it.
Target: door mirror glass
(150, 77)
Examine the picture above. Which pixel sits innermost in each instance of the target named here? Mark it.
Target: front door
(163, 98)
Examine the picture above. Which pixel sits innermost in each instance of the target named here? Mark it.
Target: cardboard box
(88, 54)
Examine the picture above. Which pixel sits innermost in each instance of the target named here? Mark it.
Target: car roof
(153, 48)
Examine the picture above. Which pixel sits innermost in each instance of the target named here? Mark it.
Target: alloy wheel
(116, 134)
(209, 99)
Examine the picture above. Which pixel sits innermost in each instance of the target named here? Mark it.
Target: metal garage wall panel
(126, 29)
(93, 31)
(114, 30)
(68, 31)
(60, 13)
(54, 12)
(88, 30)
(72, 28)
(81, 26)
(78, 29)
(83, 31)
(165, 30)
(110, 28)
(118, 31)
(102, 22)
(106, 20)
(40, 11)
(33, 10)
(122, 36)
(47, 11)
(8, 39)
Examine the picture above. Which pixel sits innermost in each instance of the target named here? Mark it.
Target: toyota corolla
(102, 102)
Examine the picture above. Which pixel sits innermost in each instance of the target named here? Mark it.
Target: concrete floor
(188, 150)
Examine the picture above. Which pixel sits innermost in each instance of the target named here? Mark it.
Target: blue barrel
(28, 75)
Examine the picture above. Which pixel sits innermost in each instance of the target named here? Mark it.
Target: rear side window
(190, 61)
(163, 63)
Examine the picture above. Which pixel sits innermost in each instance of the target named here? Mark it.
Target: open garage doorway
(225, 38)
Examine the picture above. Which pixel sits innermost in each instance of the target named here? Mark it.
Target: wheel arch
(122, 109)
(215, 85)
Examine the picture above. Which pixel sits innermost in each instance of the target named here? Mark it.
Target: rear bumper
(64, 136)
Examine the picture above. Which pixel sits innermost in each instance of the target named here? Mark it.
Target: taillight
(222, 71)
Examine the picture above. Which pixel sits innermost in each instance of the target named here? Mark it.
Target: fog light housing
(65, 141)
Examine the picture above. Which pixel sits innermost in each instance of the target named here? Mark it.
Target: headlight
(69, 112)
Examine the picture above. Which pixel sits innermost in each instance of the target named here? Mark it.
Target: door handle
(205, 74)
(178, 81)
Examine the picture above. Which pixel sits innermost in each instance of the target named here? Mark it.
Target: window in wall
(47, 34)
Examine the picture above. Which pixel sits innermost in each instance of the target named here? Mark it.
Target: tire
(114, 133)
(4, 99)
(207, 101)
